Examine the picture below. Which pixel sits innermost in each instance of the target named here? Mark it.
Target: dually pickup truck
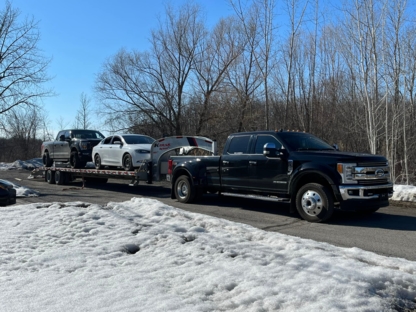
(294, 167)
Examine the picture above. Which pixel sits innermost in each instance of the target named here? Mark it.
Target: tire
(47, 161)
(184, 190)
(127, 162)
(50, 176)
(76, 162)
(60, 177)
(97, 162)
(314, 202)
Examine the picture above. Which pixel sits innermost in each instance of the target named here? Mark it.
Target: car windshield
(87, 134)
(299, 141)
(138, 139)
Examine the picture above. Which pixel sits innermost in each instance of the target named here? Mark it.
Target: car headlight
(346, 172)
(142, 151)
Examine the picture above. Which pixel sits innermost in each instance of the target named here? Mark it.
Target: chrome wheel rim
(312, 203)
(127, 162)
(182, 189)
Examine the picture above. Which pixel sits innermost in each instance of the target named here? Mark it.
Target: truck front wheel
(184, 191)
(75, 161)
(47, 161)
(314, 202)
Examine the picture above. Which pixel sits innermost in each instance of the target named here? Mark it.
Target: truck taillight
(170, 165)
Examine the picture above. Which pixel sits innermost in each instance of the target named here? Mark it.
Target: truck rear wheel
(184, 191)
(314, 202)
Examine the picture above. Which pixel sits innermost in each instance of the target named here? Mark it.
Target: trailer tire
(184, 191)
(50, 176)
(314, 202)
(60, 177)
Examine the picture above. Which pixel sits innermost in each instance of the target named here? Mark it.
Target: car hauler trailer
(154, 169)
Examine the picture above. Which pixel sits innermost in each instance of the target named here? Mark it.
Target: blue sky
(81, 35)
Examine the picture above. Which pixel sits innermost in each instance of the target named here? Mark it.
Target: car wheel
(127, 163)
(97, 162)
(50, 176)
(47, 161)
(75, 161)
(314, 202)
(184, 190)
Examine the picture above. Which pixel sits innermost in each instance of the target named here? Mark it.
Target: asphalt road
(391, 231)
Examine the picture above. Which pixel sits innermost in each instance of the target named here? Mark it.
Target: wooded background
(345, 72)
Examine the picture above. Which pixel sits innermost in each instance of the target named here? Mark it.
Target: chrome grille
(371, 173)
(373, 182)
(373, 164)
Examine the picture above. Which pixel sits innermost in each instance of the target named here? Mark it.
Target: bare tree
(219, 51)
(23, 128)
(154, 84)
(22, 66)
(83, 117)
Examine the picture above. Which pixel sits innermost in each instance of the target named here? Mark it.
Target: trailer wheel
(47, 161)
(184, 191)
(127, 162)
(50, 176)
(314, 202)
(60, 177)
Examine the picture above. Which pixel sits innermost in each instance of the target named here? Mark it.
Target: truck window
(239, 145)
(263, 139)
(59, 134)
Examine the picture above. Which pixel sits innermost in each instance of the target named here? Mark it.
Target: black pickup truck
(294, 167)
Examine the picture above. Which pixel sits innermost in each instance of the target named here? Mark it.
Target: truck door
(60, 146)
(267, 173)
(234, 163)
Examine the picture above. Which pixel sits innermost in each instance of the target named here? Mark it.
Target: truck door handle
(224, 162)
(252, 163)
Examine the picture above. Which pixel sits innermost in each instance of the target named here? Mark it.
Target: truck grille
(374, 164)
(373, 182)
(371, 173)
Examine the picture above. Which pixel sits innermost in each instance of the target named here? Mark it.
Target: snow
(143, 255)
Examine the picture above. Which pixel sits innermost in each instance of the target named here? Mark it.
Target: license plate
(168, 178)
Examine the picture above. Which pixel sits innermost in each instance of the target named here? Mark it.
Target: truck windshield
(87, 134)
(298, 141)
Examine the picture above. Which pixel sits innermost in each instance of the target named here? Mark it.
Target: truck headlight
(84, 145)
(346, 172)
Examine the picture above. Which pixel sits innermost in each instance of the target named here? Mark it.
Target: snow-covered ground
(143, 255)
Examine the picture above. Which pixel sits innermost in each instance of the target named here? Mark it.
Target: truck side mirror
(269, 150)
(336, 146)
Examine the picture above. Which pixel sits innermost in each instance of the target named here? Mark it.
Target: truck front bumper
(360, 197)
